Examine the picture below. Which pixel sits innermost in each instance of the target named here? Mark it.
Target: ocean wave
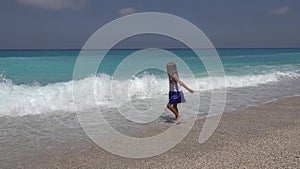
(19, 100)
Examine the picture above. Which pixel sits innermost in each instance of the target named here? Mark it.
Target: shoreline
(264, 136)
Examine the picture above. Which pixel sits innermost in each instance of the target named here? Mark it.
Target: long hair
(172, 71)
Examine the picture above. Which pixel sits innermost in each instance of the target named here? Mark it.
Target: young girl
(175, 93)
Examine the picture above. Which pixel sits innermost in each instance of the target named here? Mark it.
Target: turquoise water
(51, 66)
(40, 81)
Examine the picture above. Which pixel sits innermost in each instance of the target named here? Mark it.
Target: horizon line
(148, 48)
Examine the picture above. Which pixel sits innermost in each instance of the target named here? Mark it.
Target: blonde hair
(172, 71)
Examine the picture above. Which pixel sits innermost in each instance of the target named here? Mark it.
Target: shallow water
(25, 138)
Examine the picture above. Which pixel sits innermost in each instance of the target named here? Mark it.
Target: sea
(37, 104)
(34, 82)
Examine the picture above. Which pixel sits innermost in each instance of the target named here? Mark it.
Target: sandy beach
(265, 136)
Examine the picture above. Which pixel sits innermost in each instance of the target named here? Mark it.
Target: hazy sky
(67, 24)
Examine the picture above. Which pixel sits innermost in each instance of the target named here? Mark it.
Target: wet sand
(265, 136)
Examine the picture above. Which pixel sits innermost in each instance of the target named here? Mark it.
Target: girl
(175, 93)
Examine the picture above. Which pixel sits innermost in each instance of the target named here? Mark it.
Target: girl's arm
(183, 85)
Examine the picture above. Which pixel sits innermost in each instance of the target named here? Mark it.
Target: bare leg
(175, 106)
(174, 110)
(178, 119)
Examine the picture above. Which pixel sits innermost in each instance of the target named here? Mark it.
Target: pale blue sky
(67, 24)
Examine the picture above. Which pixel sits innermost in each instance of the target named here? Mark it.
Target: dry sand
(265, 136)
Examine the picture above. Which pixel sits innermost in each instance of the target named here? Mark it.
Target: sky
(67, 24)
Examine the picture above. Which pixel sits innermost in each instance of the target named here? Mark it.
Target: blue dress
(175, 94)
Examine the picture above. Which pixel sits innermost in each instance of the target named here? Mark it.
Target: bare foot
(178, 119)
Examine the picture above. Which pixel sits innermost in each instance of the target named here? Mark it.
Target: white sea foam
(19, 100)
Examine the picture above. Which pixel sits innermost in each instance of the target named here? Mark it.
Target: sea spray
(19, 100)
